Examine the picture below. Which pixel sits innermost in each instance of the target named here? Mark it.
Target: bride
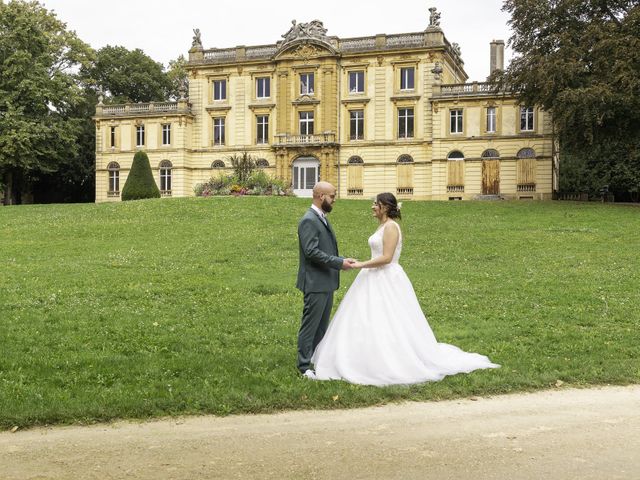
(379, 335)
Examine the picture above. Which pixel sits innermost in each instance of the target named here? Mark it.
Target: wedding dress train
(379, 335)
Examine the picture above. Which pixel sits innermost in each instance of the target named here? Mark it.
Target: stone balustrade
(285, 139)
(142, 108)
(462, 89)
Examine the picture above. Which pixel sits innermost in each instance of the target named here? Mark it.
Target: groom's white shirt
(319, 211)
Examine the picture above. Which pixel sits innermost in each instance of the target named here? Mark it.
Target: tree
(580, 60)
(39, 89)
(127, 76)
(140, 183)
(177, 74)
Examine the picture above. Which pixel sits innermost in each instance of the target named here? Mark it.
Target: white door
(306, 173)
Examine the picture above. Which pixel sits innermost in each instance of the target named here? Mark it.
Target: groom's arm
(308, 235)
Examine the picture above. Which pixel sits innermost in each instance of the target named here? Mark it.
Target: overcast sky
(164, 28)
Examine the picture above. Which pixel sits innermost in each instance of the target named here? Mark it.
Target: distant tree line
(49, 86)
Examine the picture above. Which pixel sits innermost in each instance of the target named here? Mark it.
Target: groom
(318, 273)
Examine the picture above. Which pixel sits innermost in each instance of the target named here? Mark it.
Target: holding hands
(351, 263)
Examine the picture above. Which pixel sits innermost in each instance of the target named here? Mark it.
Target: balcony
(466, 89)
(287, 140)
(143, 109)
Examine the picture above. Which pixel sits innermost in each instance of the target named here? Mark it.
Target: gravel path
(558, 434)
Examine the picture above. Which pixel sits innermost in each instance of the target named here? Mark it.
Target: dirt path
(560, 434)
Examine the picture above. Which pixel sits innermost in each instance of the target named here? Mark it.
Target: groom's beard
(326, 206)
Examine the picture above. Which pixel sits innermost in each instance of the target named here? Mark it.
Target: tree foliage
(127, 76)
(140, 183)
(39, 90)
(580, 60)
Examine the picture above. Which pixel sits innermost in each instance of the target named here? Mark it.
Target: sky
(163, 29)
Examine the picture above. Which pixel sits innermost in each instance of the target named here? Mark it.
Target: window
(456, 121)
(407, 78)
(404, 176)
(356, 121)
(405, 123)
(218, 131)
(140, 136)
(354, 176)
(491, 119)
(114, 177)
(262, 163)
(262, 124)
(490, 153)
(455, 171)
(306, 123)
(217, 164)
(263, 87)
(526, 170)
(356, 82)
(306, 84)
(112, 137)
(219, 89)
(165, 177)
(526, 119)
(166, 134)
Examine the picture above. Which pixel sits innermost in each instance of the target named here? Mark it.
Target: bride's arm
(390, 237)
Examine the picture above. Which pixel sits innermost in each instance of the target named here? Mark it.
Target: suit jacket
(320, 265)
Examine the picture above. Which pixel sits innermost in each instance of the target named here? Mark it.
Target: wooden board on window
(526, 171)
(455, 172)
(405, 176)
(490, 177)
(354, 176)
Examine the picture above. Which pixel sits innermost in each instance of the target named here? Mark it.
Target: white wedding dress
(379, 335)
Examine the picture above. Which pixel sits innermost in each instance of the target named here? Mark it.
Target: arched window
(404, 175)
(262, 163)
(526, 153)
(355, 173)
(217, 164)
(526, 170)
(114, 179)
(455, 171)
(490, 153)
(165, 177)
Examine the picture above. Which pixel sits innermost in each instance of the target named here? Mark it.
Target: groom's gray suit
(318, 277)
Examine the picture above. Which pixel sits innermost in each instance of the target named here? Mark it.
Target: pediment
(305, 49)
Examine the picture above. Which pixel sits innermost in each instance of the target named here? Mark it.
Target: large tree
(128, 76)
(39, 90)
(580, 59)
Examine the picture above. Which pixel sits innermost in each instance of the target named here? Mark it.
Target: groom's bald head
(324, 194)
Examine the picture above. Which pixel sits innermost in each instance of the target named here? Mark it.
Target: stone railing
(314, 139)
(461, 89)
(143, 108)
(220, 55)
(364, 43)
(405, 40)
(261, 52)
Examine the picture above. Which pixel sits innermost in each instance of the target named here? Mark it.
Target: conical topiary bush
(140, 183)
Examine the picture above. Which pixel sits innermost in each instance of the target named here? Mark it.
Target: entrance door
(306, 173)
(491, 177)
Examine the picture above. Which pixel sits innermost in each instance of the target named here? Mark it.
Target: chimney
(497, 56)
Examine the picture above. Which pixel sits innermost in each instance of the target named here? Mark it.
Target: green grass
(180, 306)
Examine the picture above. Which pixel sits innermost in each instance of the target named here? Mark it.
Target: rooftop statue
(434, 17)
(313, 29)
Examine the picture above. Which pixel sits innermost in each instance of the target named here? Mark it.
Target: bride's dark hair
(389, 200)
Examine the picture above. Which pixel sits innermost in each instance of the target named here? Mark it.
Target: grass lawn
(181, 306)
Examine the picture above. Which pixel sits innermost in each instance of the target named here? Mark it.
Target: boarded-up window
(405, 174)
(355, 167)
(526, 170)
(455, 172)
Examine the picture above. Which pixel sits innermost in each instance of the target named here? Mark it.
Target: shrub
(140, 183)
(243, 165)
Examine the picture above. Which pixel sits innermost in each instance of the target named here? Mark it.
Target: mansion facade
(369, 114)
